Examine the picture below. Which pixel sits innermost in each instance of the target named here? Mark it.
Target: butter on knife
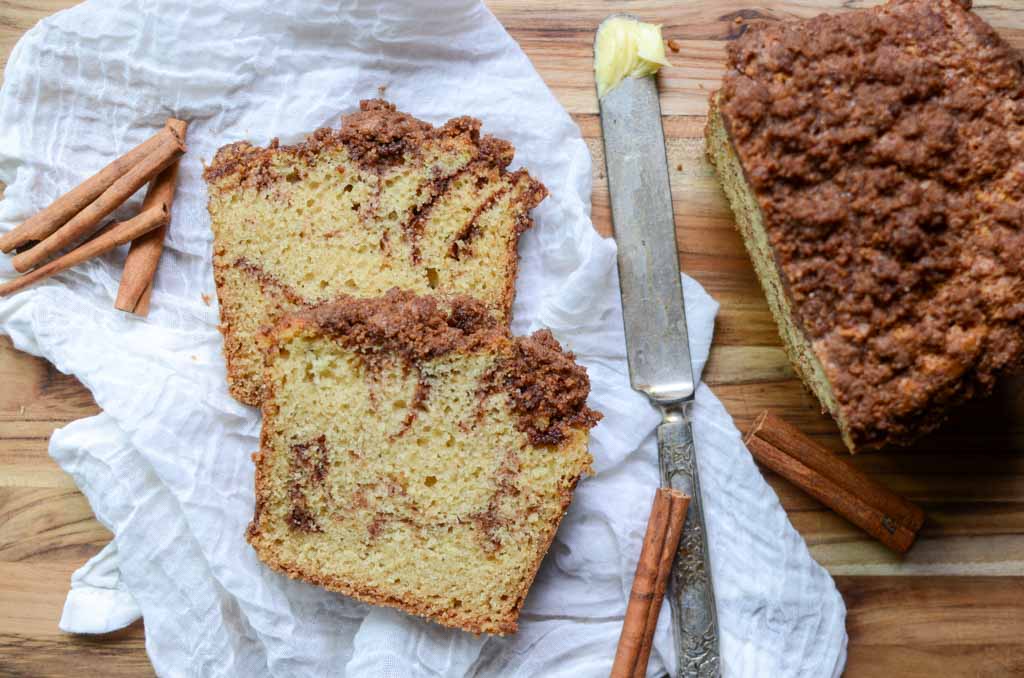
(626, 48)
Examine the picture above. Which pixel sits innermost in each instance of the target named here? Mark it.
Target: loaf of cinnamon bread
(873, 161)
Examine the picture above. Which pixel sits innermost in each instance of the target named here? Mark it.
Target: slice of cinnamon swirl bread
(416, 457)
(385, 201)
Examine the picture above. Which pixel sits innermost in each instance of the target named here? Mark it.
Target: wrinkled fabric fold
(167, 465)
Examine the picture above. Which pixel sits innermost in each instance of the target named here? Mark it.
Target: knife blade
(658, 350)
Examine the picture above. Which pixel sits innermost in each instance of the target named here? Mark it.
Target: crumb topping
(548, 389)
(403, 323)
(377, 136)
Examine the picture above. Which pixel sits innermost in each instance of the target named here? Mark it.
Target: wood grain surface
(954, 606)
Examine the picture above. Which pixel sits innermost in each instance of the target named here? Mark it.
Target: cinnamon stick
(166, 151)
(78, 198)
(677, 516)
(664, 528)
(144, 256)
(883, 514)
(116, 235)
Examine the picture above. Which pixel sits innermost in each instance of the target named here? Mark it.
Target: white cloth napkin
(166, 466)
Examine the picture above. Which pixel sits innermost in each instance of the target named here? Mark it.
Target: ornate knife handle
(691, 594)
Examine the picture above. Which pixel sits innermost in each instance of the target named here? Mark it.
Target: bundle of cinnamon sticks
(76, 215)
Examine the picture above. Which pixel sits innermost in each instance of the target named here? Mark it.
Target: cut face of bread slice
(417, 458)
(386, 201)
(869, 161)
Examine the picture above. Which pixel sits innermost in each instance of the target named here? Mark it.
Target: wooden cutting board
(953, 607)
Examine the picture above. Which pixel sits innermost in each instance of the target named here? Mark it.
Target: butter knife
(656, 343)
